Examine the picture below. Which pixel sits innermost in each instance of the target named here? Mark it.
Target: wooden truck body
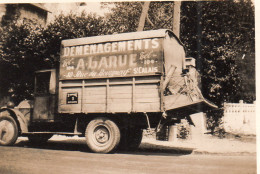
(110, 87)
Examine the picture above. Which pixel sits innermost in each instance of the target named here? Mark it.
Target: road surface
(71, 157)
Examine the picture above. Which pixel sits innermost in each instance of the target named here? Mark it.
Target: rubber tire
(112, 131)
(39, 138)
(131, 139)
(14, 137)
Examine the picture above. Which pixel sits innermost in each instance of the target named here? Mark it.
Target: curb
(185, 148)
(195, 152)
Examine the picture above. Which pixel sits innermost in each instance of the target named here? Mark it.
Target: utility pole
(143, 16)
(176, 18)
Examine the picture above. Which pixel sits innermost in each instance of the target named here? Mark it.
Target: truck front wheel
(8, 130)
(102, 135)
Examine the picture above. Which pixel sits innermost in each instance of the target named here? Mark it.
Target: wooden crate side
(94, 99)
(120, 98)
(136, 94)
(65, 108)
(66, 91)
(94, 108)
(147, 98)
(147, 95)
(120, 89)
(148, 107)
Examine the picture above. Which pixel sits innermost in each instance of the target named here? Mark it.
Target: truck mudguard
(19, 117)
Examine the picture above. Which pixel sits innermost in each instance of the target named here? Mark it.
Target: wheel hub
(101, 135)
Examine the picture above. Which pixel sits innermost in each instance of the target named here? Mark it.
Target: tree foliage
(69, 27)
(19, 59)
(29, 47)
(224, 31)
(124, 16)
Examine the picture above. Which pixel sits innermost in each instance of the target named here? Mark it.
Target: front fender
(19, 117)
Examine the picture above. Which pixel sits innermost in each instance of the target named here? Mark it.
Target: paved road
(62, 157)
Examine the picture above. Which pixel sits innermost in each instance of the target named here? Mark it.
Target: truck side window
(42, 82)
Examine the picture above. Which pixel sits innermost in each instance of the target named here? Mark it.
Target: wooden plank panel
(148, 100)
(69, 89)
(119, 88)
(71, 82)
(147, 78)
(147, 86)
(133, 95)
(97, 96)
(65, 91)
(94, 101)
(141, 91)
(120, 107)
(147, 107)
(93, 90)
(120, 80)
(148, 95)
(121, 96)
(70, 108)
(108, 94)
(94, 81)
(118, 103)
(119, 100)
(119, 92)
(94, 108)
(93, 93)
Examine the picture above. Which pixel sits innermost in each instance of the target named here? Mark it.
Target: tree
(217, 43)
(19, 60)
(29, 47)
(124, 16)
(143, 15)
(69, 27)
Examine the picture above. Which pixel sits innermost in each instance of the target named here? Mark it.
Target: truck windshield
(42, 82)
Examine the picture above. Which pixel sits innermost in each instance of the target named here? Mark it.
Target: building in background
(24, 12)
(75, 8)
(44, 13)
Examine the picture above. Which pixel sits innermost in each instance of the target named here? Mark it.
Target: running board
(56, 133)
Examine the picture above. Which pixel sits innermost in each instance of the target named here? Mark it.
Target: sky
(94, 7)
(65, 8)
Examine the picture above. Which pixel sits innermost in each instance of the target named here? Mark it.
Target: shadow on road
(79, 145)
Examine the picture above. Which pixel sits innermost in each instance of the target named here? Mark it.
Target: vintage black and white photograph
(134, 87)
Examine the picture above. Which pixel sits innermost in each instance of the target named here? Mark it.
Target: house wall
(2, 11)
(29, 12)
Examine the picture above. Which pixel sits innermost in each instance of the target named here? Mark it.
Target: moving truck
(108, 89)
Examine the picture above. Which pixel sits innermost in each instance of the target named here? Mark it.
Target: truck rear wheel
(8, 130)
(102, 135)
(131, 139)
